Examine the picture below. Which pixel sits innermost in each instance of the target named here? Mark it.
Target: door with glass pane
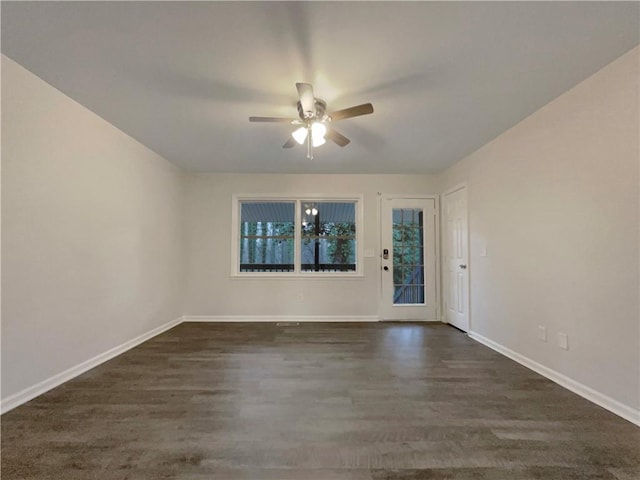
(408, 259)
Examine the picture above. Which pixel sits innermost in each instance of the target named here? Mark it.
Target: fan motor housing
(321, 107)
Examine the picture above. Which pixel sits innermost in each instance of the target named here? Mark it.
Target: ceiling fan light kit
(314, 125)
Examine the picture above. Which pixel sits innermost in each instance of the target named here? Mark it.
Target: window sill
(297, 276)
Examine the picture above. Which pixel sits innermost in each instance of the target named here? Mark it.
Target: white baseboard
(280, 318)
(32, 392)
(614, 406)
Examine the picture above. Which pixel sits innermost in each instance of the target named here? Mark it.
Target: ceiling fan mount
(319, 114)
(314, 124)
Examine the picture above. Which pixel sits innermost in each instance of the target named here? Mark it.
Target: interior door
(455, 259)
(408, 264)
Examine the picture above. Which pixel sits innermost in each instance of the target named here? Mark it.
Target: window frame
(237, 199)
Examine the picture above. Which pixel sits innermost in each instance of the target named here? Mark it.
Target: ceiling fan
(314, 124)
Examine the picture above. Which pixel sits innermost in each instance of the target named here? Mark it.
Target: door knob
(386, 269)
(462, 266)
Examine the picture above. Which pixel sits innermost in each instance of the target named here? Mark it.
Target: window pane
(334, 255)
(328, 232)
(267, 236)
(408, 294)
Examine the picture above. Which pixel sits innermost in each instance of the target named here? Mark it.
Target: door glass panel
(408, 256)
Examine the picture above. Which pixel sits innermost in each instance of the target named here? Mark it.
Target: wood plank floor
(315, 402)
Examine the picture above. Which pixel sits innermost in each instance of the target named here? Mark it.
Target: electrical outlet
(563, 341)
(542, 333)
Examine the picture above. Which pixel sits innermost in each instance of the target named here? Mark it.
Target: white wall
(555, 202)
(210, 289)
(92, 235)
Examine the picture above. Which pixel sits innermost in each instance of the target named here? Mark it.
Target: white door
(455, 259)
(408, 263)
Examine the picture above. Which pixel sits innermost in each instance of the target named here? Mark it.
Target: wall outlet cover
(542, 333)
(563, 341)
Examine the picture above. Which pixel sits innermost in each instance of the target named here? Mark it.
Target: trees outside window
(326, 230)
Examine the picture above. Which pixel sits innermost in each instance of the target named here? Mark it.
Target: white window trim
(298, 199)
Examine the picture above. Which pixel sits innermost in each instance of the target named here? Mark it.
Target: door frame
(443, 220)
(438, 255)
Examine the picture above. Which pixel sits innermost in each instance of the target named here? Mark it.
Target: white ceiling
(444, 77)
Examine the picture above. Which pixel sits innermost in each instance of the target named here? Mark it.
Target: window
(267, 236)
(328, 240)
(282, 236)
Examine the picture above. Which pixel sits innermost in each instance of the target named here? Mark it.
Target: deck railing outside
(412, 291)
(305, 267)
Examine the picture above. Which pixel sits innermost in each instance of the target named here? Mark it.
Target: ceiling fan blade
(364, 109)
(289, 143)
(307, 99)
(337, 137)
(271, 119)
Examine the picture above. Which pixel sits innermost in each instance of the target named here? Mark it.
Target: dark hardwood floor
(315, 402)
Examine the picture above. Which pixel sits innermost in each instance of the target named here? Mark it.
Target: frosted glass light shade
(317, 140)
(318, 130)
(300, 135)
